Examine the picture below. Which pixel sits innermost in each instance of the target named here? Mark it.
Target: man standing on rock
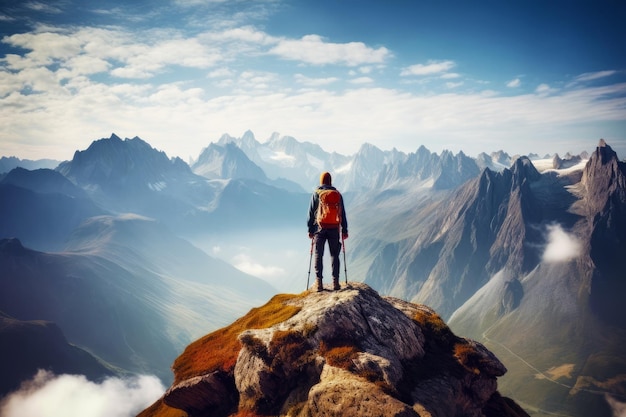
(327, 221)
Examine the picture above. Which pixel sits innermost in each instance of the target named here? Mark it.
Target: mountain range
(524, 254)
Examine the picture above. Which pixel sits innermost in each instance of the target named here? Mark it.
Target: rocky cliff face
(604, 182)
(343, 353)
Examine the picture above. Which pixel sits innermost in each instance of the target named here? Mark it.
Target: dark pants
(334, 245)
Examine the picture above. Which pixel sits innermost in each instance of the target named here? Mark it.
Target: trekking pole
(310, 259)
(345, 267)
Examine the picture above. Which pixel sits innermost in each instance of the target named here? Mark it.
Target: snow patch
(546, 165)
(344, 169)
(316, 162)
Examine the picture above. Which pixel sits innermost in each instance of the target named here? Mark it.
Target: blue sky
(477, 76)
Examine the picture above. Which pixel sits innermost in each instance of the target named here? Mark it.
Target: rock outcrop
(343, 353)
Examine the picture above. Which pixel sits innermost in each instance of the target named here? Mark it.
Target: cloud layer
(48, 395)
(181, 87)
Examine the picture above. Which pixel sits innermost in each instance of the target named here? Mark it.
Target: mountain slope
(126, 289)
(473, 233)
(27, 346)
(570, 353)
(41, 208)
(342, 353)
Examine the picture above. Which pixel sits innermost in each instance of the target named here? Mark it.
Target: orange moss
(467, 356)
(434, 327)
(340, 356)
(245, 413)
(219, 350)
(160, 409)
(290, 347)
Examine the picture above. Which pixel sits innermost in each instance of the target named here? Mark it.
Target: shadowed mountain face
(343, 353)
(42, 208)
(27, 346)
(482, 227)
(604, 181)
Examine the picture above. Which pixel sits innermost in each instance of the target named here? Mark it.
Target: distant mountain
(364, 168)
(531, 265)
(230, 162)
(496, 161)
(302, 162)
(344, 353)
(225, 162)
(11, 162)
(27, 346)
(42, 208)
(442, 172)
(126, 289)
(129, 175)
(285, 157)
(43, 181)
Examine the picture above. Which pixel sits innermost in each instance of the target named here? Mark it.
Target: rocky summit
(349, 352)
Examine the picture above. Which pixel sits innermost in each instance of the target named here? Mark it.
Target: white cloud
(312, 49)
(514, 83)
(42, 7)
(561, 246)
(248, 265)
(432, 67)
(220, 72)
(246, 34)
(362, 80)
(543, 89)
(84, 83)
(451, 85)
(589, 76)
(47, 395)
(314, 82)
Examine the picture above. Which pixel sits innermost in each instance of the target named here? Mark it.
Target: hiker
(327, 220)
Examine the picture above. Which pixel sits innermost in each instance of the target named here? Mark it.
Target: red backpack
(329, 209)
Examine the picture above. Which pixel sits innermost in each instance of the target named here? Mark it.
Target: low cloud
(561, 246)
(248, 265)
(49, 395)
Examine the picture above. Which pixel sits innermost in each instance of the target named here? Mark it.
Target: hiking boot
(320, 286)
(336, 285)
